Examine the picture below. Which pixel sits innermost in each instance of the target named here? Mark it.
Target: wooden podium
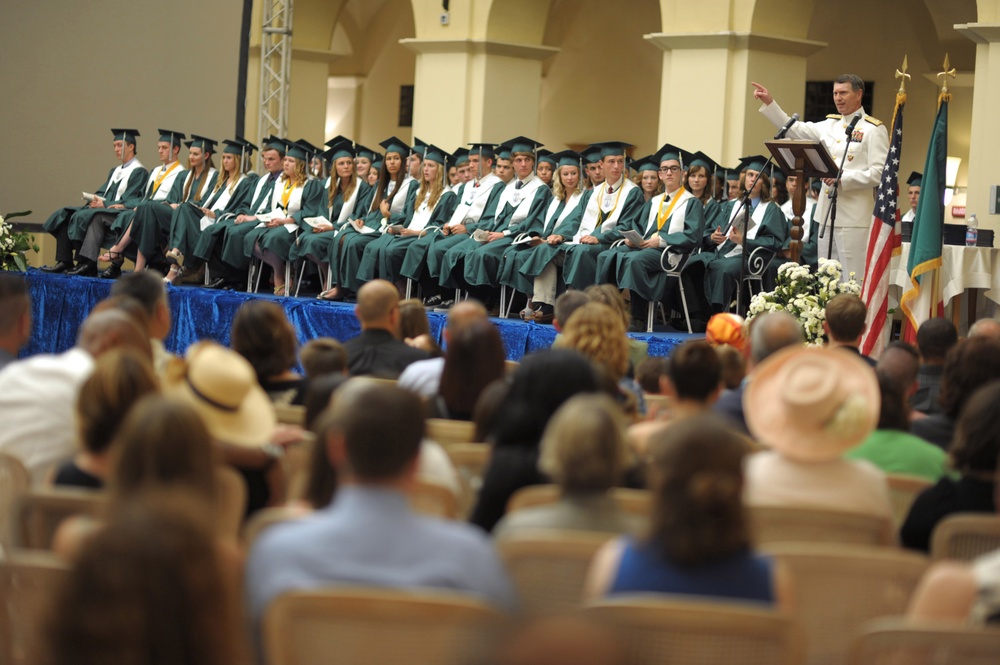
(803, 159)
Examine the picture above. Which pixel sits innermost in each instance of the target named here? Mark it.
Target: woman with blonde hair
(272, 239)
(598, 333)
(232, 189)
(647, 177)
(583, 451)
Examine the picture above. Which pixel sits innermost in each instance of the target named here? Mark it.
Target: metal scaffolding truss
(275, 68)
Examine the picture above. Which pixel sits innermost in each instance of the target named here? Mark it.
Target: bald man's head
(772, 332)
(110, 329)
(378, 306)
(985, 328)
(901, 363)
(462, 314)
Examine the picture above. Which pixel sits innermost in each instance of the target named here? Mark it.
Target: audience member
(699, 542)
(38, 395)
(649, 372)
(474, 359)
(378, 351)
(152, 587)
(970, 364)
(844, 323)
(322, 356)
(811, 405)
(583, 451)
(985, 328)
(935, 338)
(540, 385)
(319, 394)
(369, 536)
(486, 416)
(424, 376)
(148, 288)
(974, 455)
(415, 328)
(263, 335)
(120, 378)
(891, 447)
(609, 295)
(769, 333)
(693, 380)
(566, 304)
(15, 317)
(734, 366)
(900, 361)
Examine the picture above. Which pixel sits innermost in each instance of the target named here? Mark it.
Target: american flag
(884, 242)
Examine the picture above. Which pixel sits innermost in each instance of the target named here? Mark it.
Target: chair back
(549, 566)
(839, 587)
(373, 627)
(782, 524)
(28, 580)
(632, 501)
(14, 481)
(430, 498)
(39, 512)
(264, 519)
(894, 641)
(447, 432)
(965, 536)
(469, 460)
(902, 491)
(692, 631)
(290, 414)
(758, 262)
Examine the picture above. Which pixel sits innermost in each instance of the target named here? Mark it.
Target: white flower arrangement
(804, 295)
(14, 244)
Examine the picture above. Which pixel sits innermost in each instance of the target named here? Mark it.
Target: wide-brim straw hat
(812, 404)
(222, 386)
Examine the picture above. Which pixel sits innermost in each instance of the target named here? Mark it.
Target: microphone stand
(744, 210)
(831, 212)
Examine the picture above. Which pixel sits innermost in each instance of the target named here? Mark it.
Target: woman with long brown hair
(272, 239)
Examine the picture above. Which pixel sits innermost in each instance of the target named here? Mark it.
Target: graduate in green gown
(151, 224)
(343, 194)
(647, 176)
(122, 189)
(232, 189)
(276, 229)
(567, 196)
(432, 207)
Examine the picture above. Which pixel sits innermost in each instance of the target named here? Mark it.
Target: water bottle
(971, 231)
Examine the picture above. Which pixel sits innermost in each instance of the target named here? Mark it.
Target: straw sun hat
(812, 404)
(223, 388)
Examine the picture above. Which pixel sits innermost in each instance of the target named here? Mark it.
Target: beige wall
(72, 70)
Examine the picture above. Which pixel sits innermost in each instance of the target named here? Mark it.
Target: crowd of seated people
(487, 216)
(800, 429)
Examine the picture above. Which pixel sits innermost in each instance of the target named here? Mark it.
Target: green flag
(922, 300)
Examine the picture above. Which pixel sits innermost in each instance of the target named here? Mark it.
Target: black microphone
(788, 125)
(854, 121)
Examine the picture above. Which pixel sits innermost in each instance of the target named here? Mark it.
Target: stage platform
(60, 303)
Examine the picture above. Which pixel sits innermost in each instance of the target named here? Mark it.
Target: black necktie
(519, 185)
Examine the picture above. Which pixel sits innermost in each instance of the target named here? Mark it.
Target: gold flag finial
(948, 71)
(902, 76)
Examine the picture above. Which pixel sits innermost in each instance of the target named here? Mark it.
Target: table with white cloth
(972, 270)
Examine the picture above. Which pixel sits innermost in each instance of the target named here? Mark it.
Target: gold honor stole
(662, 217)
(163, 174)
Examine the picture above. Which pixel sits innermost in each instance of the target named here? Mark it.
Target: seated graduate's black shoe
(637, 326)
(113, 271)
(85, 268)
(60, 266)
(433, 301)
(217, 283)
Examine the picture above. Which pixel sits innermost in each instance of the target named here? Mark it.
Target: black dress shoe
(84, 268)
(61, 266)
(217, 283)
(113, 271)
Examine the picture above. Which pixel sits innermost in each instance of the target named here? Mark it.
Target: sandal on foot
(111, 256)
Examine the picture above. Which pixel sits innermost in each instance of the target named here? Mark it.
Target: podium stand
(803, 159)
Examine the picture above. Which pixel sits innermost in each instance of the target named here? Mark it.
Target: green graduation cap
(311, 150)
(483, 149)
(915, 179)
(363, 152)
(460, 156)
(646, 163)
(249, 146)
(273, 142)
(206, 144)
(339, 138)
(522, 144)
(701, 159)
(504, 151)
(436, 154)
(611, 148)
(170, 136)
(777, 174)
(732, 172)
(752, 163)
(668, 151)
(568, 158)
(396, 145)
(300, 152)
(339, 151)
(376, 160)
(591, 154)
(126, 135)
(234, 147)
(543, 155)
(419, 147)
